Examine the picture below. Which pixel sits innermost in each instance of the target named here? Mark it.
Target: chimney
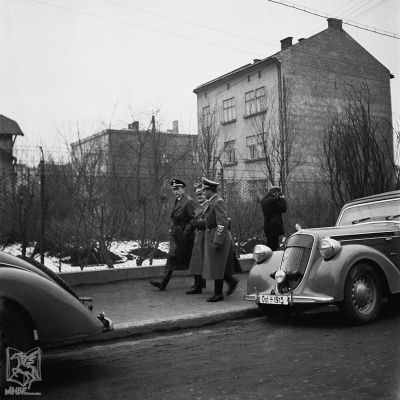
(286, 43)
(175, 127)
(301, 39)
(134, 126)
(334, 23)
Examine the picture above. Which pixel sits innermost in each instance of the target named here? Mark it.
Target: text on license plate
(274, 299)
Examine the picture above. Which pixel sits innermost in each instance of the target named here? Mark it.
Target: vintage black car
(38, 308)
(354, 265)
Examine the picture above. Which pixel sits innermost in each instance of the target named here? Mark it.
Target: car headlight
(280, 276)
(261, 253)
(329, 247)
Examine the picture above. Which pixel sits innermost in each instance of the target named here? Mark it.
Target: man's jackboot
(163, 284)
(196, 288)
(218, 296)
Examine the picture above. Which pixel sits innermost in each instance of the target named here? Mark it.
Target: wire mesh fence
(74, 210)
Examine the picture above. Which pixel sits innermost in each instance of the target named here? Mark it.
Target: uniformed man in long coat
(218, 244)
(181, 233)
(197, 259)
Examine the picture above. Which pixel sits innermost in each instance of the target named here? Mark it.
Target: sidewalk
(137, 308)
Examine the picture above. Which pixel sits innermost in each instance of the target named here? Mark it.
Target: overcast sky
(91, 64)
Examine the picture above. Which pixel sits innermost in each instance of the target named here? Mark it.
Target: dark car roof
(375, 197)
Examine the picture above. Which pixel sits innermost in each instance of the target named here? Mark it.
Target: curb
(119, 274)
(127, 330)
(124, 331)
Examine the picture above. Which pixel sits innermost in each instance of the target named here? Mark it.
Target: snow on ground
(121, 249)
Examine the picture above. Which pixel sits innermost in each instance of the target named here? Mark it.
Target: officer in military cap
(196, 261)
(181, 233)
(218, 244)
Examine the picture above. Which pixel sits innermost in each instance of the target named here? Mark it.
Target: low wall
(87, 277)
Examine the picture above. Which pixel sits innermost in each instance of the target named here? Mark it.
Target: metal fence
(77, 213)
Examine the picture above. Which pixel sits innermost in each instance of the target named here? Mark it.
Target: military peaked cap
(208, 184)
(177, 182)
(197, 187)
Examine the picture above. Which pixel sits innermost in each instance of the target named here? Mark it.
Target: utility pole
(42, 207)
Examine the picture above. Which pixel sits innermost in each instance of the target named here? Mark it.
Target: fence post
(42, 208)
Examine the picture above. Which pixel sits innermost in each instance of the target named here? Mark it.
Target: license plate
(274, 299)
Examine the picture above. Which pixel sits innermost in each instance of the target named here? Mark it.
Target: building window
(249, 102)
(228, 86)
(230, 151)
(260, 99)
(248, 78)
(261, 145)
(259, 74)
(251, 146)
(255, 147)
(206, 117)
(229, 110)
(255, 101)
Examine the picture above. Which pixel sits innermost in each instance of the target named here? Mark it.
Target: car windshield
(387, 210)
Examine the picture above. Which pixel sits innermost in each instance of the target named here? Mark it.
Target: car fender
(259, 276)
(57, 315)
(329, 276)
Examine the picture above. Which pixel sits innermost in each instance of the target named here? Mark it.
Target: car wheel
(14, 332)
(362, 294)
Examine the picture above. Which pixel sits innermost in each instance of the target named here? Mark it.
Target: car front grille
(296, 257)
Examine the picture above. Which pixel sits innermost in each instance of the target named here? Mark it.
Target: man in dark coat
(181, 233)
(218, 244)
(273, 206)
(197, 259)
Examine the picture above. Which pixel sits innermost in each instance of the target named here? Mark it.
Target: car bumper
(296, 299)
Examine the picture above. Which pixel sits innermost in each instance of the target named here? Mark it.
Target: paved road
(311, 357)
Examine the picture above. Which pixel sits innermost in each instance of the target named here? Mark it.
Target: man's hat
(207, 184)
(176, 183)
(197, 188)
(274, 189)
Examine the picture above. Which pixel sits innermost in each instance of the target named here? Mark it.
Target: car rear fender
(57, 315)
(259, 276)
(329, 276)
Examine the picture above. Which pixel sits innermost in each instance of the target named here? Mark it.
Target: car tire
(14, 332)
(362, 294)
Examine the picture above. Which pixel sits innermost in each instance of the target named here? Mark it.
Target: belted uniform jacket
(218, 245)
(181, 234)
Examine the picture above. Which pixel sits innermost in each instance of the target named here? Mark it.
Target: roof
(375, 197)
(9, 127)
(274, 58)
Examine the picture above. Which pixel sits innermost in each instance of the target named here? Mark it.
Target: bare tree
(357, 149)
(275, 134)
(210, 148)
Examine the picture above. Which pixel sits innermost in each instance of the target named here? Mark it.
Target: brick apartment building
(291, 93)
(140, 157)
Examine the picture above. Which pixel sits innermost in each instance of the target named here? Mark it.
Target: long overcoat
(218, 245)
(181, 234)
(272, 208)
(197, 259)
